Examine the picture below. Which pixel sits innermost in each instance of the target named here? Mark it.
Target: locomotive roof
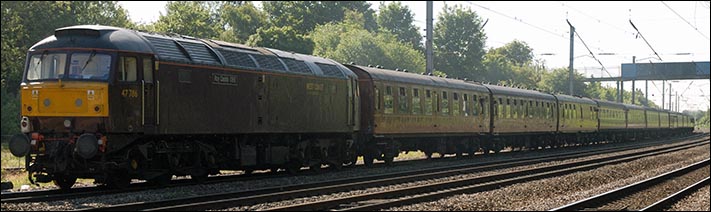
(104, 37)
(575, 99)
(413, 78)
(509, 91)
(186, 49)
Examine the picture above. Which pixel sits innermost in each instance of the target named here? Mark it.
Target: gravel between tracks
(650, 195)
(554, 192)
(698, 201)
(168, 193)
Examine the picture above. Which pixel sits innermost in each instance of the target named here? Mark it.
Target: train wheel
(368, 159)
(161, 180)
(315, 168)
(293, 166)
(199, 175)
(388, 158)
(64, 181)
(248, 171)
(118, 180)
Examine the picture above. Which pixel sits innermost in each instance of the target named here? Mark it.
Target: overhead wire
(645, 40)
(524, 22)
(593, 55)
(682, 18)
(598, 20)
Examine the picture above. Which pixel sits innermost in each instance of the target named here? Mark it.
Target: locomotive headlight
(67, 123)
(25, 125)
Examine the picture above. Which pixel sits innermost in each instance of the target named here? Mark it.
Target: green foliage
(557, 82)
(351, 42)
(10, 113)
(188, 18)
(304, 16)
(516, 52)
(703, 122)
(283, 38)
(242, 21)
(398, 19)
(459, 42)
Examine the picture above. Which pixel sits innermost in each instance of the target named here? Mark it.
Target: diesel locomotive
(114, 104)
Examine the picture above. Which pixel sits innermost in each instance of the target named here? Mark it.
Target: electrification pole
(428, 42)
(570, 67)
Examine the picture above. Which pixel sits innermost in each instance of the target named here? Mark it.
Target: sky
(678, 31)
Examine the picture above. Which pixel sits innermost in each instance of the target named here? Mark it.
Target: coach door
(150, 89)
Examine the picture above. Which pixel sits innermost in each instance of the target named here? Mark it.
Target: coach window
(507, 109)
(483, 102)
(445, 104)
(465, 109)
(388, 100)
(127, 69)
(402, 101)
(455, 104)
(515, 109)
(377, 99)
(537, 110)
(428, 102)
(574, 111)
(416, 108)
(501, 112)
(475, 106)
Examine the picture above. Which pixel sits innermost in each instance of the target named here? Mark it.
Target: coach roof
(379, 74)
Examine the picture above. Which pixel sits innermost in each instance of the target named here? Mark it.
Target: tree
(557, 82)
(349, 41)
(282, 38)
(398, 20)
(517, 52)
(242, 21)
(305, 15)
(188, 18)
(459, 42)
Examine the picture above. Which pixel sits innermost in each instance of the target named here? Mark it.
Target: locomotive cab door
(149, 86)
(133, 97)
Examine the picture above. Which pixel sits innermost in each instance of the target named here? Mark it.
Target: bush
(10, 113)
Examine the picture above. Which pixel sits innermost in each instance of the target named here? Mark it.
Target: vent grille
(237, 58)
(167, 48)
(269, 62)
(330, 70)
(199, 52)
(296, 66)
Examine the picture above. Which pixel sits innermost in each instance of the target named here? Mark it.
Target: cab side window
(127, 69)
(147, 69)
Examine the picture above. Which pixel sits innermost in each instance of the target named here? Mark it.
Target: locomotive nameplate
(314, 88)
(224, 79)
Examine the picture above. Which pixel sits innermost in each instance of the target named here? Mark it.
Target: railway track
(360, 202)
(56, 194)
(624, 198)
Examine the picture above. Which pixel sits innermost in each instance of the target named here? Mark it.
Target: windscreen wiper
(93, 53)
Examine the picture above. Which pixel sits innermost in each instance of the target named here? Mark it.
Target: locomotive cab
(71, 84)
